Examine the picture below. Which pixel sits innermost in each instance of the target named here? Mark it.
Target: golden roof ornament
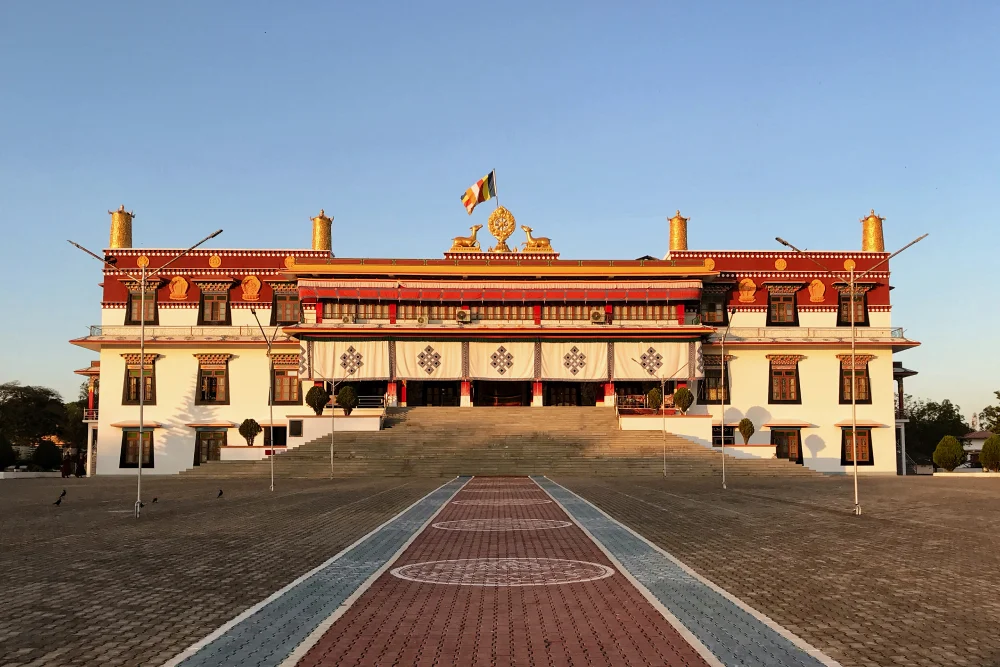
(121, 228)
(501, 224)
(463, 244)
(321, 232)
(679, 232)
(536, 243)
(871, 233)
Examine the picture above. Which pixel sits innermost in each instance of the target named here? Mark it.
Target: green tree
(949, 453)
(7, 455)
(47, 456)
(746, 429)
(683, 398)
(990, 456)
(929, 422)
(654, 398)
(317, 398)
(989, 418)
(28, 413)
(250, 429)
(347, 398)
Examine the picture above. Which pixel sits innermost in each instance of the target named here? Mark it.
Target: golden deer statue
(536, 243)
(466, 242)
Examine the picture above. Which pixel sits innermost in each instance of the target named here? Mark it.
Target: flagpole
(496, 192)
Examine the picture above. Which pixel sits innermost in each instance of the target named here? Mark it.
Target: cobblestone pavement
(85, 583)
(501, 577)
(911, 582)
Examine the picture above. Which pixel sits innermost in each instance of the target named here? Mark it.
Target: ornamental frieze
(778, 288)
(212, 360)
(132, 360)
(785, 360)
(285, 361)
(860, 361)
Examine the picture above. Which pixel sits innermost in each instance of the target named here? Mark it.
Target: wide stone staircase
(436, 441)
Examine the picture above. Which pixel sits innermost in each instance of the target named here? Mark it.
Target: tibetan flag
(483, 189)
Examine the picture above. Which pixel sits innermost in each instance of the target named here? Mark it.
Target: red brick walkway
(494, 610)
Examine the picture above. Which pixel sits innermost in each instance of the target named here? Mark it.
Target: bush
(7, 455)
(990, 456)
(949, 453)
(317, 398)
(746, 429)
(654, 398)
(347, 398)
(683, 398)
(47, 456)
(250, 429)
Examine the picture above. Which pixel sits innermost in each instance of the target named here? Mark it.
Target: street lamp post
(270, 391)
(143, 280)
(663, 411)
(854, 387)
(725, 395)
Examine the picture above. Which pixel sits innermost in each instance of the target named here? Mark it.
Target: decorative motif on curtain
(658, 360)
(583, 361)
(429, 360)
(502, 361)
(355, 360)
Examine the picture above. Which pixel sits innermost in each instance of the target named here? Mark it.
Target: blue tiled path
(272, 633)
(732, 634)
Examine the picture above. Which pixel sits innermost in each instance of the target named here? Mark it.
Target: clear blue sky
(755, 119)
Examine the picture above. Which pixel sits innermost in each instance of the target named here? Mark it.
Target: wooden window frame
(151, 400)
(286, 298)
(123, 461)
(845, 458)
(268, 430)
(797, 400)
(861, 300)
(772, 297)
(133, 303)
(861, 375)
(297, 384)
(720, 432)
(723, 305)
(198, 400)
(214, 297)
(703, 387)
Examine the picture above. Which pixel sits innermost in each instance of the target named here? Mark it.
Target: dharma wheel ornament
(501, 224)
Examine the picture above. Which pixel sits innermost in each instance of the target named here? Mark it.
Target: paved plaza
(498, 571)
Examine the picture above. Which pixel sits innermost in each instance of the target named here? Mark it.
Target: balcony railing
(809, 333)
(158, 331)
(90, 415)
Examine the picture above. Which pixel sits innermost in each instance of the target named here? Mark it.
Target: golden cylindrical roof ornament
(322, 231)
(121, 228)
(678, 232)
(871, 233)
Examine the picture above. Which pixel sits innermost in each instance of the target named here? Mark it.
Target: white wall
(176, 381)
(819, 376)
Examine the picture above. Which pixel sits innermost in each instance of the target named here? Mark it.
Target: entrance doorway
(208, 446)
(571, 393)
(433, 393)
(787, 445)
(492, 393)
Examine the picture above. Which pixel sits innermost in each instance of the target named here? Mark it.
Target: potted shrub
(654, 398)
(990, 456)
(347, 398)
(317, 398)
(47, 456)
(683, 398)
(250, 429)
(746, 430)
(949, 453)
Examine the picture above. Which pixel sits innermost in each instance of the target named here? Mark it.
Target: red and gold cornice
(860, 360)
(212, 360)
(132, 360)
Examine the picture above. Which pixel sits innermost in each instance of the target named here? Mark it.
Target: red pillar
(319, 312)
(465, 400)
(609, 393)
(680, 313)
(537, 312)
(392, 312)
(402, 395)
(90, 394)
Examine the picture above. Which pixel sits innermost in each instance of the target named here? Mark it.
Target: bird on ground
(63, 494)
(154, 501)
(141, 504)
(220, 494)
(58, 501)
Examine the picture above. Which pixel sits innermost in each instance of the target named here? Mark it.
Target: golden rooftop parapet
(871, 233)
(121, 228)
(321, 232)
(679, 232)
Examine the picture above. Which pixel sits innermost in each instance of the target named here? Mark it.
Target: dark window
(860, 310)
(208, 446)
(135, 308)
(710, 389)
(713, 309)
(280, 436)
(784, 385)
(864, 394)
(287, 309)
(787, 444)
(717, 435)
(865, 457)
(136, 381)
(213, 385)
(286, 387)
(781, 310)
(295, 428)
(214, 308)
(130, 449)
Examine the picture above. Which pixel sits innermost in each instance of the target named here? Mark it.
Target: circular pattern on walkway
(500, 525)
(503, 502)
(495, 572)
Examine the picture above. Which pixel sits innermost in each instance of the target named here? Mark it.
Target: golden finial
(121, 228)
(321, 232)
(679, 232)
(501, 224)
(871, 233)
